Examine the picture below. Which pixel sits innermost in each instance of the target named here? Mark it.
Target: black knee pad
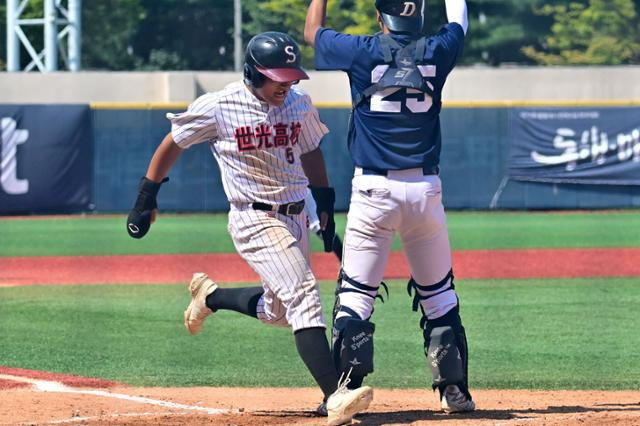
(353, 347)
(445, 346)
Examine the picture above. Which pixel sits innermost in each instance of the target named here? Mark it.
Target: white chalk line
(49, 386)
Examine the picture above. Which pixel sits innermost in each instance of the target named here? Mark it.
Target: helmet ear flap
(247, 74)
(252, 76)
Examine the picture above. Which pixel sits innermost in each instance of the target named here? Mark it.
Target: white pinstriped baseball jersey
(256, 145)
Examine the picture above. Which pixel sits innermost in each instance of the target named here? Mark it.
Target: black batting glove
(325, 200)
(139, 219)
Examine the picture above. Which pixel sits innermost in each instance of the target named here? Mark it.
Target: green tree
(158, 35)
(600, 33)
(198, 34)
(185, 34)
(498, 28)
(108, 29)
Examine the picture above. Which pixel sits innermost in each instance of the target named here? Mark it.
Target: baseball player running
(265, 135)
(396, 80)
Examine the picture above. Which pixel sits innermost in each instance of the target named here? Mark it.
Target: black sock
(243, 300)
(314, 350)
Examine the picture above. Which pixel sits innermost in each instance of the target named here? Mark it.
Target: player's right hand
(143, 213)
(325, 199)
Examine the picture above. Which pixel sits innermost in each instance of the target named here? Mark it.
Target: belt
(426, 170)
(289, 209)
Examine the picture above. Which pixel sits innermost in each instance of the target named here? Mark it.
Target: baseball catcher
(394, 138)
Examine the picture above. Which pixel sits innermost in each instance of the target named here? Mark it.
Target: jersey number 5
(289, 155)
(380, 102)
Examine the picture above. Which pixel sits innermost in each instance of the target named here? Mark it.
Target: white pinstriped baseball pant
(277, 248)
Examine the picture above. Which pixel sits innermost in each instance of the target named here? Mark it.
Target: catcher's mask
(402, 16)
(275, 55)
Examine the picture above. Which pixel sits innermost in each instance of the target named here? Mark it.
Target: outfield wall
(118, 144)
(473, 165)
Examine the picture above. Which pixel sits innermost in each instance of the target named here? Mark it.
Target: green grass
(533, 334)
(530, 334)
(515, 230)
(99, 235)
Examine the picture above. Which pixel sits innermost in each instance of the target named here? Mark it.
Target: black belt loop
(431, 170)
(426, 170)
(288, 209)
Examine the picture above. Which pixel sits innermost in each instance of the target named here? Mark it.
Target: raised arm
(456, 12)
(315, 19)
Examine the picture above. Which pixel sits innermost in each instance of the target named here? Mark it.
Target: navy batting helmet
(402, 16)
(275, 55)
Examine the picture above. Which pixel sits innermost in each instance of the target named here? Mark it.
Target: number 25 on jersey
(380, 101)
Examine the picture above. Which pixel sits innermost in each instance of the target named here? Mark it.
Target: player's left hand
(325, 200)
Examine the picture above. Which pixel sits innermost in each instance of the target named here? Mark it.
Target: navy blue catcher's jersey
(396, 128)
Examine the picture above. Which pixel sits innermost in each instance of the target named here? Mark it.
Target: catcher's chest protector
(403, 68)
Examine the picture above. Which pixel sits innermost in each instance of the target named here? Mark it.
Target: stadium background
(551, 307)
(128, 119)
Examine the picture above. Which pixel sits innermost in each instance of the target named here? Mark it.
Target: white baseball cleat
(345, 403)
(455, 401)
(200, 287)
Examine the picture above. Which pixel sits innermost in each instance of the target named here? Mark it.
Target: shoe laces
(343, 381)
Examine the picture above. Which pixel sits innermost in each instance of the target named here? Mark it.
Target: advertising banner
(46, 158)
(575, 145)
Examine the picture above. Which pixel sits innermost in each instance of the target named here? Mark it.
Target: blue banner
(46, 158)
(575, 145)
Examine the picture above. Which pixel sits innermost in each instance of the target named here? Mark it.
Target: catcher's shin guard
(352, 337)
(353, 348)
(445, 346)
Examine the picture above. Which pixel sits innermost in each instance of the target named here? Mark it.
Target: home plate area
(33, 397)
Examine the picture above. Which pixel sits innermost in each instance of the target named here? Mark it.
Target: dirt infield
(40, 403)
(483, 264)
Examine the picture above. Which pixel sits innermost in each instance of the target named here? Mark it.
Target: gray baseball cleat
(200, 287)
(322, 410)
(455, 401)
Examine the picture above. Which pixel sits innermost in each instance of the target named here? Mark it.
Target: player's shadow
(410, 416)
(285, 414)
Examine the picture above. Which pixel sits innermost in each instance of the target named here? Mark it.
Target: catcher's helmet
(275, 55)
(402, 16)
